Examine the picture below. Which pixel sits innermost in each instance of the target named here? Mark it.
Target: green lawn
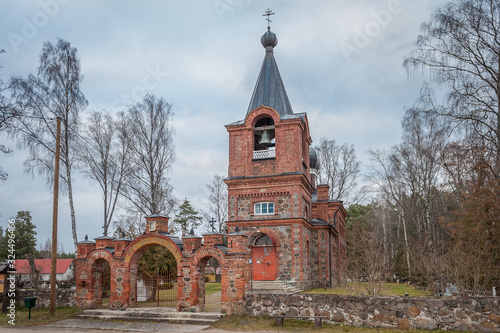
(39, 316)
(212, 287)
(361, 288)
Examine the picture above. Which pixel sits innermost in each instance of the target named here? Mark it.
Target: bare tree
(459, 45)
(366, 259)
(130, 225)
(55, 92)
(390, 186)
(6, 115)
(410, 177)
(217, 205)
(339, 168)
(151, 155)
(103, 153)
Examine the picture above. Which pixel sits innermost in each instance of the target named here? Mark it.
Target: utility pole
(53, 291)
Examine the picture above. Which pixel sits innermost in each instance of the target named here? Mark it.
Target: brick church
(284, 231)
(296, 234)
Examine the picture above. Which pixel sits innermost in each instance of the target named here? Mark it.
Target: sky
(341, 62)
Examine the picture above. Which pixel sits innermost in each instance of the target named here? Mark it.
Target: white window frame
(152, 225)
(259, 207)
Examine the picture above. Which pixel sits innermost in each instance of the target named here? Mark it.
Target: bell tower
(269, 179)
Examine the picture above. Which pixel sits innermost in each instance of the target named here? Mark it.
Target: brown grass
(265, 323)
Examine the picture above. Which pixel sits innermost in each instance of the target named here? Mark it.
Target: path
(212, 302)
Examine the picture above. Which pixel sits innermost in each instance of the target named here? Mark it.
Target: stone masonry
(480, 314)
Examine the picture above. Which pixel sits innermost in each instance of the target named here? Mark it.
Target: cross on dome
(268, 13)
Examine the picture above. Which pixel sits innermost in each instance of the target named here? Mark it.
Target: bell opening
(264, 134)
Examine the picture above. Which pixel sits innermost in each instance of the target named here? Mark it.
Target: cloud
(211, 57)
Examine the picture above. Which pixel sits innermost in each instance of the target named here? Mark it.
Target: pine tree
(187, 217)
(24, 236)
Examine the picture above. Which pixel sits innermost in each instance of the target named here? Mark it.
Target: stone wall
(465, 314)
(64, 297)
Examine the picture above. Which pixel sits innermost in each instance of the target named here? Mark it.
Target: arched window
(264, 138)
(263, 240)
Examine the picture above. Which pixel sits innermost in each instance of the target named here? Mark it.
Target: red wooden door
(264, 263)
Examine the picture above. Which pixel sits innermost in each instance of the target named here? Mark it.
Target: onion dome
(313, 159)
(269, 39)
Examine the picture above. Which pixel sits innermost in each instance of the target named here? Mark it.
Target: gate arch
(133, 253)
(95, 259)
(199, 261)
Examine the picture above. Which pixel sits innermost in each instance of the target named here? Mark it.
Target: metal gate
(159, 291)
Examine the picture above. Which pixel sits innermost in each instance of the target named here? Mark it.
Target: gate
(159, 290)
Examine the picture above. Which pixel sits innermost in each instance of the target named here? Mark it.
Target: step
(192, 321)
(153, 313)
(274, 285)
(157, 315)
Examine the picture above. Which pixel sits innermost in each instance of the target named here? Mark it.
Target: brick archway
(133, 253)
(144, 242)
(199, 261)
(123, 256)
(90, 279)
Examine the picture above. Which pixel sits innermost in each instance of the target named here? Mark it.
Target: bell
(265, 140)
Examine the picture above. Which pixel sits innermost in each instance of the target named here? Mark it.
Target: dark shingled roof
(269, 89)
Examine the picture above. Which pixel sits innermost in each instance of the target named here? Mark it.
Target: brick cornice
(270, 222)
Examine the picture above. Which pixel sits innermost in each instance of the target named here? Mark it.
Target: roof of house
(23, 266)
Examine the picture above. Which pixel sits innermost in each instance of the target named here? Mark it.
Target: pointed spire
(269, 89)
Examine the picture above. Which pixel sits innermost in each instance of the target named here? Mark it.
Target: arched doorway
(210, 278)
(156, 278)
(263, 258)
(101, 282)
(209, 284)
(153, 265)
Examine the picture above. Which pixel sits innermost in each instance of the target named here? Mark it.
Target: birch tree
(103, 153)
(6, 115)
(459, 46)
(39, 100)
(152, 152)
(339, 168)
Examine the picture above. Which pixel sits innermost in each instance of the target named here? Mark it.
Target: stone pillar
(212, 239)
(117, 299)
(235, 274)
(83, 280)
(84, 248)
(83, 275)
(157, 224)
(188, 289)
(120, 244)
(235, 277)
(237, 243)
(190, 244)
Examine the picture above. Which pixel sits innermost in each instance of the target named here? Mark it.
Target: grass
(39, 316)
(265, 323)
(211, 288)
(361, 288)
